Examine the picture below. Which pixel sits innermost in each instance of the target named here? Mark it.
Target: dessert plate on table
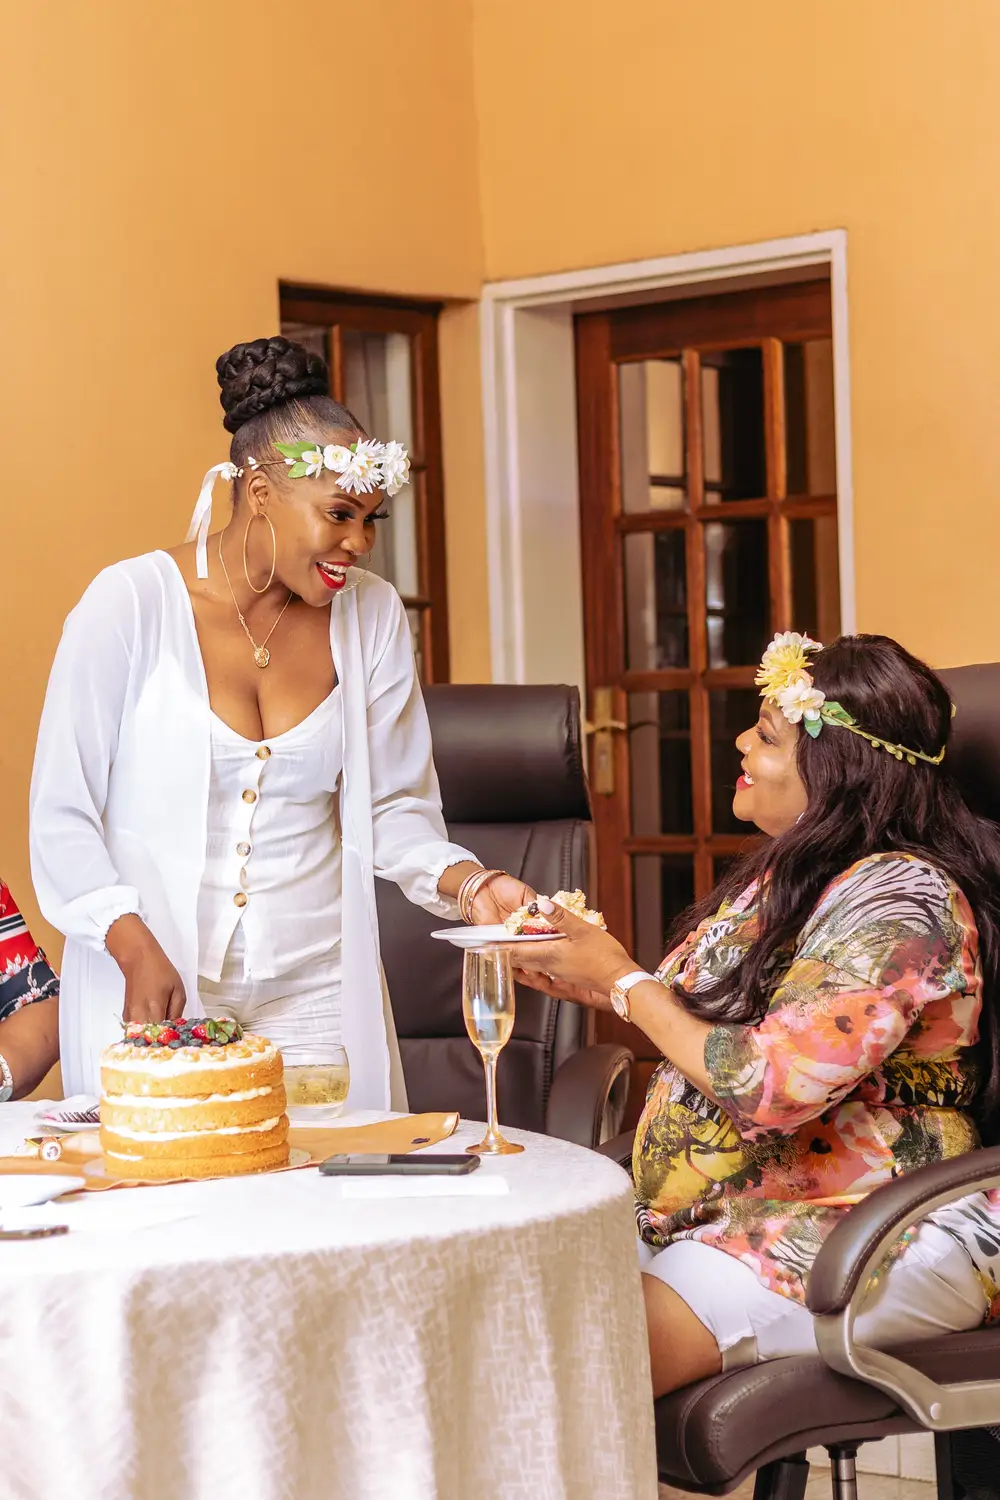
(484, 937)
(80, 1112)
(25, 1190)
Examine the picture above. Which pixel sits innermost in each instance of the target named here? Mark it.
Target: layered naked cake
(192, 1099)
(531, 921)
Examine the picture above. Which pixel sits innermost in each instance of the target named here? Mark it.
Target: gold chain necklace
(261, 655)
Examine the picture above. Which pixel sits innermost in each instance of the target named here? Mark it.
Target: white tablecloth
(286, 1343)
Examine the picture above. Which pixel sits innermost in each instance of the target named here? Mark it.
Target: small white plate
(59, 1117)
(491, 936)
(26, 1190)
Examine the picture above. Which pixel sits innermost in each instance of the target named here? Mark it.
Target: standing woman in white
(234, 745)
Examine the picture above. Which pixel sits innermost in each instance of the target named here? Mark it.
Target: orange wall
(170, 163)
(612, 132)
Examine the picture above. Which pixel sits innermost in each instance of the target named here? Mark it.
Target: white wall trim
(522, 372)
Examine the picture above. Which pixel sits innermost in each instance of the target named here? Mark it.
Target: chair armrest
(860, 1240)
(619, 1149)
(846, 1261)
(588, 1094)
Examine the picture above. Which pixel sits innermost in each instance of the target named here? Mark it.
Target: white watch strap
(7, 1084)
(630, 979)
(621, 989)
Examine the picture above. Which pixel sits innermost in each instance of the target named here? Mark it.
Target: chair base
(785, 1478)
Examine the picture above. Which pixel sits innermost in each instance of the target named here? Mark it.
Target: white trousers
(297, 1011)
(931, 1289)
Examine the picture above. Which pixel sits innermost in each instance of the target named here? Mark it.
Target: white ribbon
(201, 520)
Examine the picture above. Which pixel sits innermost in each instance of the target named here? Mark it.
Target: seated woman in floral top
(827, 1022)
(29, 1020)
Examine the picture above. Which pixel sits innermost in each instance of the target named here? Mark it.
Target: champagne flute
(488, 1008)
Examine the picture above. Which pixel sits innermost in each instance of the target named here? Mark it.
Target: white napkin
(477, 1185)
(105, 1213)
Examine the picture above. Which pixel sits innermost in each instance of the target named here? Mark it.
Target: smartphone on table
(377, 1164)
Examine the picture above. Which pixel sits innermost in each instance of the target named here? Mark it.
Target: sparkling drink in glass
(488, 1008)
(317, 1082)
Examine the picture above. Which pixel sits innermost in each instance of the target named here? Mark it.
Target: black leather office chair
(510, 763)
(713, 1434)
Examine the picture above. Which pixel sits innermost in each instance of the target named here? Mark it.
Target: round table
(285, 1341)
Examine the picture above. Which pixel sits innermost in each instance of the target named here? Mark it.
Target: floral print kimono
(862, 1068)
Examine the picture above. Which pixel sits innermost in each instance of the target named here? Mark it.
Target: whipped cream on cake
(197, 1098)
(529, 921)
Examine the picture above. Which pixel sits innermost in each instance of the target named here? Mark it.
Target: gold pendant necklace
(261, 654)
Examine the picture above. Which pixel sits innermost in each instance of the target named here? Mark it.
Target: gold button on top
(249, 795)
(264, 753)
(241, 898)
(243, 849)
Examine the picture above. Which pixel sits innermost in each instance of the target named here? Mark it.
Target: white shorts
(932, 1289)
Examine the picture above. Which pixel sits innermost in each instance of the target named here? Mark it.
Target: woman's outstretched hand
(582, 966)
(559, 989)
(499, 897)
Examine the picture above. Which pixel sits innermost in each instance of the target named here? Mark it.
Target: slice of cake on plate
(192, 1098)
(530, 921)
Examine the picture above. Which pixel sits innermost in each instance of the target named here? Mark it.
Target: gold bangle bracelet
(470, 889)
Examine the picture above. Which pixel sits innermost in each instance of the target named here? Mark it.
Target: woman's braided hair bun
(256, 377)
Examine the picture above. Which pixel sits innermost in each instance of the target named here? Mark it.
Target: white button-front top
(119, 801)
(273, 853)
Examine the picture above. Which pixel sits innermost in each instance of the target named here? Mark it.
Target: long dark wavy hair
(863, 801)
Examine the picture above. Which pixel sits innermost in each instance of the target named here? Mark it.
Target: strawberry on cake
(530, 921)
(198, 1098)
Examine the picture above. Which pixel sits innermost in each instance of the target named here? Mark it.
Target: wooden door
(709, 521)
(382, 355)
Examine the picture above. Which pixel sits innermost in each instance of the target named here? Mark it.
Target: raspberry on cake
(529, 921)
(197, 1098)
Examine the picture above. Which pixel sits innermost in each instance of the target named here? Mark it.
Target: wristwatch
(619, 992)
(7, 1086)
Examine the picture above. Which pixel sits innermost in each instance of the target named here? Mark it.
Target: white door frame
(529, 417)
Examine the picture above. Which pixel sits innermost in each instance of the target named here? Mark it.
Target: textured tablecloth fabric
(284, 1343)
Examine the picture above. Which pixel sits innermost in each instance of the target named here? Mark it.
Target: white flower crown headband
(360, 468)
(784, 679)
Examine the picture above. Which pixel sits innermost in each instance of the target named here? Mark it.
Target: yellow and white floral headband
(362, 467)
(784, 679)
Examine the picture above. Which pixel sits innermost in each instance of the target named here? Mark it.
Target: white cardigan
(119, 801)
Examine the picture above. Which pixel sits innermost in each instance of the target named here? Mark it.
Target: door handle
(602, 729)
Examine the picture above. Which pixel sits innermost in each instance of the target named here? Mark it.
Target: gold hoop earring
(261, 516)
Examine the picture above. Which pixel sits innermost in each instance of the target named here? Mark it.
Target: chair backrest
(974, 752)
(510, 763)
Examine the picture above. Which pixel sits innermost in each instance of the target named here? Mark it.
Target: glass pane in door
(662, 887)
(732, 411)
(731, 711)
(815, 561)
(810, 440)
(311, 337)
(378, 390)
(651, 435)
(659, 737)
(721, 865)
(656, 624)
(737, 601)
